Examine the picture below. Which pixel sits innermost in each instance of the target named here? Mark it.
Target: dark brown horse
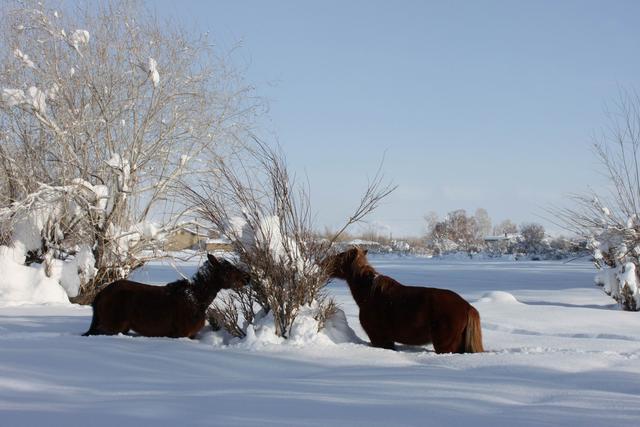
(175, 310)
(393, 313)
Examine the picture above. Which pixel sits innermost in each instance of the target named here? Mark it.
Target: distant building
(219, 244)
(186, 238)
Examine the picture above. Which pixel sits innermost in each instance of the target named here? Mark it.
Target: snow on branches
(613, 237)
(609, 220)
(79, 38)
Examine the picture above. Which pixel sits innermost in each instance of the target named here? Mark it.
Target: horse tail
(473, 333)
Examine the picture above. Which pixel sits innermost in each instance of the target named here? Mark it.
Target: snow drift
(21, 284)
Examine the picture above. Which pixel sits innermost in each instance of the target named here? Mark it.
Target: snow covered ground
(559, 353)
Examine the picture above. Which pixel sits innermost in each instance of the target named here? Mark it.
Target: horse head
(342, 265)
(227, 275)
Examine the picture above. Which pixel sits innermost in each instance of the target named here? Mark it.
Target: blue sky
(489, 104)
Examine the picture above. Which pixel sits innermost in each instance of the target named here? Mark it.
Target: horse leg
(97, 326)
(197, 327)
(448, 345)
(120, 329)
(112, 326)
(93, 330)
(389, 345)
(95, 306)
(445, 340)
(382, 342)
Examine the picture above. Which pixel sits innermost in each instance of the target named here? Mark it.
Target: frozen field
(559, 353)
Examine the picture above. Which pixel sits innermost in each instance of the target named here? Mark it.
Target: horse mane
(195, 288)
(361, 266)
(199, 279)
(203, 276)
(379, 283)
(179, 283)
(365, 272)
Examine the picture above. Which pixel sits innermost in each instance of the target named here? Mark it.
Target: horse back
(411, 314)
(147, 309)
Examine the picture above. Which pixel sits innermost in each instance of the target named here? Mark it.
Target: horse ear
(366, 251)
(212, 260)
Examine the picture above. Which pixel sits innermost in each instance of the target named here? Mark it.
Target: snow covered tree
(532, 237)
(103, 109)
(456, 232)
(483, 222)
(506, 227)
(431, 219)
(611, 221)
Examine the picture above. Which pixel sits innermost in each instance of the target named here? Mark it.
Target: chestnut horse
(394, 313)
(174, 310)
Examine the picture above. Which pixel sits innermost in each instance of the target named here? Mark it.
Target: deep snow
(559, 353)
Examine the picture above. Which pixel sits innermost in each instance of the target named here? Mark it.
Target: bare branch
(254, 201)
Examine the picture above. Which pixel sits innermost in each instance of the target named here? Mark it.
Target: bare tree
(483, 222)
(109, 107)
(376, 232)
(256, 203)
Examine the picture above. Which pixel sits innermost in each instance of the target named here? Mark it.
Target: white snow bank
(304, 332)
(499, 297)
(571, 372)
(337, 329)
(21, 284)
(61, 274)
(71, 273)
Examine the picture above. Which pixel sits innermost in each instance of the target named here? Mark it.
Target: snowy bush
(50, 227)
(103, 111)
(616, 252)
(258, 207)
(610, 223)
(306, 330)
